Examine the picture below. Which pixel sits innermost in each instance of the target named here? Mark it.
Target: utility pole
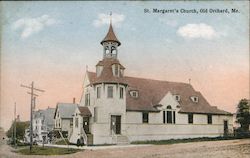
(32, 89)
(15, 125)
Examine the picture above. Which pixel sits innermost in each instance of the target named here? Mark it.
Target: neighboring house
(63, 118)
(43, 123)
(81, 125)
(125, 109)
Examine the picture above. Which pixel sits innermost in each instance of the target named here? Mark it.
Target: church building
(118, 109)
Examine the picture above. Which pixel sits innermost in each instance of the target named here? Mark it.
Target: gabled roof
(66, 110)
(84, 111)
(49, 113)
(111, 36)
(46, 114)
(151, 92)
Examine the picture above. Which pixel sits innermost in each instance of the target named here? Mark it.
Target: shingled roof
(151, 92)
(84, 111)
(66, 110)
(111, 36)
(107, 74)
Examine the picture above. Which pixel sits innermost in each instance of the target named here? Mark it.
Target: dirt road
(212, 149)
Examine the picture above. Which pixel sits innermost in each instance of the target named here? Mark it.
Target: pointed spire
(111, 35)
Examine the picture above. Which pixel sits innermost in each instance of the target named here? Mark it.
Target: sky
(52, 44)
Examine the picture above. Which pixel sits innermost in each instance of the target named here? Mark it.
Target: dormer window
(99, 70)
(195, 99)
(134, 94)
(122, 72)
(177, 97)
(116, 69)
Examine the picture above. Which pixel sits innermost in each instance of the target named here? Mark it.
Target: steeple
(111, 37)
(110, 43)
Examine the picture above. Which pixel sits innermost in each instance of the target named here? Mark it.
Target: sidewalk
(95, 147)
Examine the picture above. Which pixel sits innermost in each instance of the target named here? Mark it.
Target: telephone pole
(32, 89)
(15, 125)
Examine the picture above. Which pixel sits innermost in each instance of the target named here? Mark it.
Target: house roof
(47, 114)
(66, 110)
(107, 74)
(111, 36)
(84, 111)
(151, 92)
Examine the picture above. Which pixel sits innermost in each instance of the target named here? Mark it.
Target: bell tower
(110, 43)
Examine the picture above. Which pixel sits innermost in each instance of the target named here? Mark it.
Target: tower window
(121, 93)
(98, 92)
(113, 50)
(110, 92)
(106, 50)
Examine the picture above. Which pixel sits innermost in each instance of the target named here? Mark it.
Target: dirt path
(212, 149)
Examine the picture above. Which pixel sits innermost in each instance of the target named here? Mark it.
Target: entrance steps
(122, 140)
(90, 139)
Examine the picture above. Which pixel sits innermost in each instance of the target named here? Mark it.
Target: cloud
(29, 26)
(197, 31)
(104, 19)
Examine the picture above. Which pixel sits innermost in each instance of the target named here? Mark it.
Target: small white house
(81, 126)
(125, 109)
(63, 118)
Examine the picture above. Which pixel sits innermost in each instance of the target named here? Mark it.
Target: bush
(242, 133)
(20, 129)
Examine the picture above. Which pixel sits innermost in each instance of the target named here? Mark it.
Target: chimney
(74, 100)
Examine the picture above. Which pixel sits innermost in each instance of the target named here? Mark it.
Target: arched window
(113, 50)
(169, 107)
(106, 50)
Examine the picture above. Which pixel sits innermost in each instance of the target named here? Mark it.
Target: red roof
(151, 92)
(111, 36)
(107, 74)
(84, 111)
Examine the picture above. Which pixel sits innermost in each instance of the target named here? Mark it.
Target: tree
(20, 129)
(243, 114)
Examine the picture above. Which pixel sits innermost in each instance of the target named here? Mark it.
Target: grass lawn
(62, 142)
(174, 141)
(46, 151)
